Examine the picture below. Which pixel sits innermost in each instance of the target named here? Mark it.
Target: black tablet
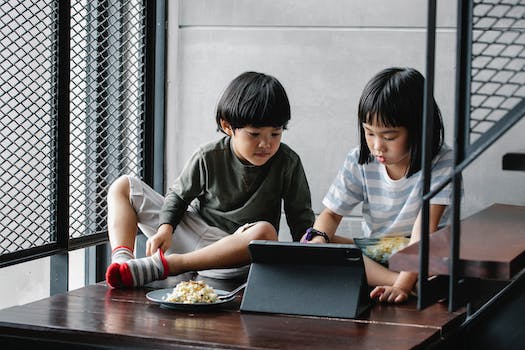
(306, 279)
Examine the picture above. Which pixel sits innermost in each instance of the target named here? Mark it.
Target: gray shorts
(191, 233)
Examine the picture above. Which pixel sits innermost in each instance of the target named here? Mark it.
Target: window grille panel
(107, 105)
(498, 59)
(28, 119)
(106, 114)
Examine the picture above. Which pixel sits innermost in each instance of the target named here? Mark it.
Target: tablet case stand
(326, 280)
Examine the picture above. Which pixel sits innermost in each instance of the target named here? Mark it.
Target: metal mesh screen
(107, 105)
(498, 57)
(106, 102)
(28, 118)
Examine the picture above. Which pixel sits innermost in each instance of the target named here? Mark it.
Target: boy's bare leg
(122, 229)
(230, 251)
(122, 219)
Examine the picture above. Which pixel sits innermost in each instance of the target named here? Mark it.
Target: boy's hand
(389, 294)
(161, 239)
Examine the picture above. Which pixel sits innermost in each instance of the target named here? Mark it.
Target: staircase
(489, 101)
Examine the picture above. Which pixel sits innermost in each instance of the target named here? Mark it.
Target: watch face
(309, 235)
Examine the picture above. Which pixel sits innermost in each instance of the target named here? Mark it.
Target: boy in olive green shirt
(229, 193)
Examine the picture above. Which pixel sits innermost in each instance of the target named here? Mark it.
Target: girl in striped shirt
(384, 175)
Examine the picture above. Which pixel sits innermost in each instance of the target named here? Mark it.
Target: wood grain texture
(492, 246)
(100, 316)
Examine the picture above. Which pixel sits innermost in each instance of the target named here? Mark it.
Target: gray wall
(323, 52)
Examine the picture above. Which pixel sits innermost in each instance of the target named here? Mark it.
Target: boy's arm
(297, 201)
(183, 190)
(161, 239)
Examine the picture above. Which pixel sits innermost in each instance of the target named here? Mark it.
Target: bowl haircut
(394, 98)
(254, 99)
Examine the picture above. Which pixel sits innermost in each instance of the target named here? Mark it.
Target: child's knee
(119, 187)
(262, 230)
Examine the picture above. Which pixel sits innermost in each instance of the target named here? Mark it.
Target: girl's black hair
(254, 99)
(394, 98)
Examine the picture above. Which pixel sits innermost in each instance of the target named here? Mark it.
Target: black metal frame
(61, 158)
(97, 256)
(427, 126)
(157, 98)
(464, 152)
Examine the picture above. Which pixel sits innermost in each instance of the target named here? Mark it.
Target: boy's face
(254, 145)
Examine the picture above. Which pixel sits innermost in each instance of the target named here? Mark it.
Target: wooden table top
(492, 246)
(100, 316)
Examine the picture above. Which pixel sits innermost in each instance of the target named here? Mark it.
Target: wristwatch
(312, 232)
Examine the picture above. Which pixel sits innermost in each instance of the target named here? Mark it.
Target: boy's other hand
(161, 239)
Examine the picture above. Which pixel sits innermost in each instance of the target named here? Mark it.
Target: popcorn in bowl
(192, 292)
(380, 249)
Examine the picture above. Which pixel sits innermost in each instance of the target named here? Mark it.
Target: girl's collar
(387, 177)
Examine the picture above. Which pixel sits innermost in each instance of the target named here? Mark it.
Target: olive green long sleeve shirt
(228, 194)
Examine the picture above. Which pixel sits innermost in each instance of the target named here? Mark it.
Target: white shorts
(191, 233)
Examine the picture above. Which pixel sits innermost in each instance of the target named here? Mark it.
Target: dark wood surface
(492, 246)
(100, 316)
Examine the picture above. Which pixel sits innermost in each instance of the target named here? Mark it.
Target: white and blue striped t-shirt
(390, 207)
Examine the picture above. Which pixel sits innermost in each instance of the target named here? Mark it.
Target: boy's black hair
(254, 99)
(394, 98)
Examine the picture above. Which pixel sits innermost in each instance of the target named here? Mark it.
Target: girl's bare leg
(342, 240)
(377, 274)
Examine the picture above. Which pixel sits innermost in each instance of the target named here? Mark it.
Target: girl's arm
(405, 281)
(435, 213)
(326, 222)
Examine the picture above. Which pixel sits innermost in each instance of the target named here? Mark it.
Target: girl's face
(389, 146)
(254, 145)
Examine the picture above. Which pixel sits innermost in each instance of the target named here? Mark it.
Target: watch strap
(312, 232)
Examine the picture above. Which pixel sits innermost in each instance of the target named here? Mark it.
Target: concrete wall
(323, 52)
(30, 281)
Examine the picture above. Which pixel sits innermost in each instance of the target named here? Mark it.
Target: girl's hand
(389, 294)
(161, 239)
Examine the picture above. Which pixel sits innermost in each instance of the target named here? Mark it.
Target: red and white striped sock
(138, 272)
(119, 255)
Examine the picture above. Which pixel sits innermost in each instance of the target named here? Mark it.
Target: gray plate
(159, 295)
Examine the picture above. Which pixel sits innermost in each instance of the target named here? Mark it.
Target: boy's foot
(121, 254)
(113, 275)
(137, 272)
